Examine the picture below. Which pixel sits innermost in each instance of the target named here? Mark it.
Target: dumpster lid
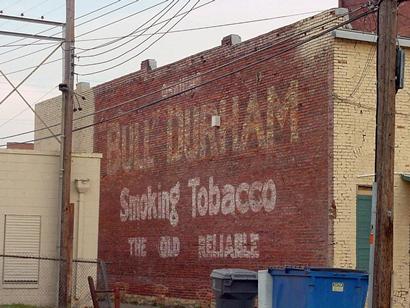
(234, 274)
(322, 270)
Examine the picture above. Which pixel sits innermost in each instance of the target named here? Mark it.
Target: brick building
(282, 179)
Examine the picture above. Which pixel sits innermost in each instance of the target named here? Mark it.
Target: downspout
(82, 186)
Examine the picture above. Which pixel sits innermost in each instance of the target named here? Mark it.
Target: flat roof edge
(365, 37)
(48, 153)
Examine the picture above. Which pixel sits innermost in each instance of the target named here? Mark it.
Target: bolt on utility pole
(385, 142)
(67, 88)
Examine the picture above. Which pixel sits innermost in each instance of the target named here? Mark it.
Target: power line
(46, 48)
(174, 31)
(29, 106)
(134, 47)
(79, 17)
(279, 41)
(13, 4)
(280, 52)
(163, 12)
(87, 21)
(28, 54)
(35, 6)
(25, 109)
(53, 61)
(31, 73)
(119, 20)
(134, 56)
(55, 9)
(283, 51)
(117, 38)
(108, 13)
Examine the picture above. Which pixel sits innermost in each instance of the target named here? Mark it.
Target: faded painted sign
(238, 245)
(189, 135)
(150, 205)
(210, 200)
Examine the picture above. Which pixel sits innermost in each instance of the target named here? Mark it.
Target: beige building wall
(29, 185)
(50, 113)
(353, 157)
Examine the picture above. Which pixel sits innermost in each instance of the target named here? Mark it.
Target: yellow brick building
(354, 113)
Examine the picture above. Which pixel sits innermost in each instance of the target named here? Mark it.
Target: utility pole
(67, 88)
(385, 142)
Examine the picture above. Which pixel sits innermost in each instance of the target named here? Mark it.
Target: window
(22, 238)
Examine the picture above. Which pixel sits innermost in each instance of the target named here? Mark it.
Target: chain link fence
(33, 281)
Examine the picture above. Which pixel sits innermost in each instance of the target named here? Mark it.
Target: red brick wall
(369, 23)
(268, 162)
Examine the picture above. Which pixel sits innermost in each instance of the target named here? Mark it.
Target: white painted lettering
(234, 246)
(138, 246)
(169, 247)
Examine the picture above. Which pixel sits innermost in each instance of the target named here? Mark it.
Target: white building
(29, 224)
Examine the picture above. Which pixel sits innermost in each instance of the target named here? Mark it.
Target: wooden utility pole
(66, 230)
(385, 132)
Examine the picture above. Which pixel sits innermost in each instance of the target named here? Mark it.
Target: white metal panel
(265, 289)
(22, 238)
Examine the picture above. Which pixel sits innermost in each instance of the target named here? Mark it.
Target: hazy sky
(15, 117)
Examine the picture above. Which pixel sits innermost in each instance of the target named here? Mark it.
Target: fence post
(103, 269)
(93, 292)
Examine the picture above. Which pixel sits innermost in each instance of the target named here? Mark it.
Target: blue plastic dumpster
(318, 287)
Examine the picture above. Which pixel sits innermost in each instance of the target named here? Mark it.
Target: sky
(99, 22)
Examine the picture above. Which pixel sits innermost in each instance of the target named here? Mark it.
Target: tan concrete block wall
(50, 112)
(353, 157)
(29, 186)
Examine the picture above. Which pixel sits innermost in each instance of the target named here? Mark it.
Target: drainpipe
(82, 186)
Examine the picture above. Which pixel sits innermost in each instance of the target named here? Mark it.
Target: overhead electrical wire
(54, 61)
(48, 47)
(35, 6)
(175, 31)
(287, 49)
(136, 55)
(123, 62)
(27, 108)
(142, 96)
(29, 75)
(304, 32)
(53, 10)
(27, 10)
(29, 54)
(116, 39)
(136, 46)
(217, 25)
(316, 25)
(79, 17)
(118, 20)
(164, 11)
(108, 13)
(172, 31)
(11, 5)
